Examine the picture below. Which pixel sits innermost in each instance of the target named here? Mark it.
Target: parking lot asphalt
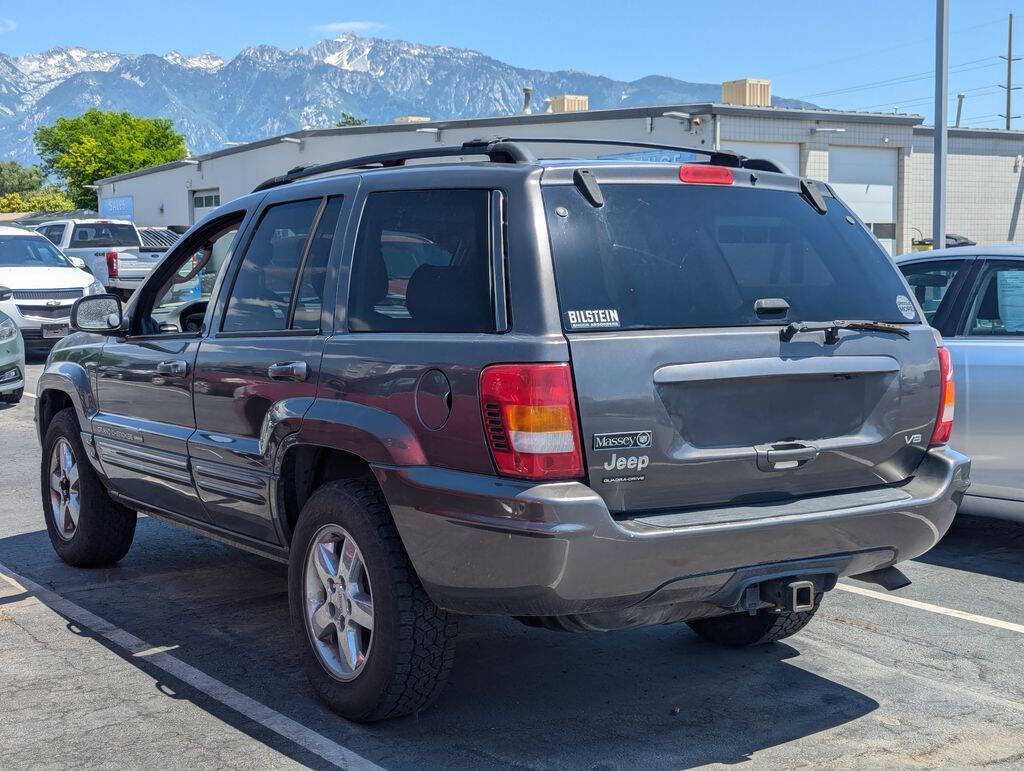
(180, 657)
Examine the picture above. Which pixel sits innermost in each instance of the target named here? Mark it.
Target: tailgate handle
(784, 456)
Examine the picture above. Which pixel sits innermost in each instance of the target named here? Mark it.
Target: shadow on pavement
(993, 547)
(517, 696)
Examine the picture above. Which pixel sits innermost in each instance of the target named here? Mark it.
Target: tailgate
(673, 296)
(134, 265)
(698, 417)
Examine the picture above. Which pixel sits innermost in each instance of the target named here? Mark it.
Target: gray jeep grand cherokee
(591, 394)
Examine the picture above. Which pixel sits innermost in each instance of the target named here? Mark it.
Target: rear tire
(12, 397)
(402, 662)
(738, 630)
(102, 530)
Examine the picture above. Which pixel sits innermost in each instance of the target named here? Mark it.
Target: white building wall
(984, 186)
(163, 197)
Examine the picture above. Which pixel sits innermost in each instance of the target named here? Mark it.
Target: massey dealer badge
(624, 440)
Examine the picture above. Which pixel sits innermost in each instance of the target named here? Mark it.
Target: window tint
(667, 256)
(310, 295)
(998, 307)
(422, 263)
(103, 234)
(930, 282)
(262, 291)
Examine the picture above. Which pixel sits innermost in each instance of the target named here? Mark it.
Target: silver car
(975, 297)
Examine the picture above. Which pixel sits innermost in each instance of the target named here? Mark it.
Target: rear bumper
(484, 544)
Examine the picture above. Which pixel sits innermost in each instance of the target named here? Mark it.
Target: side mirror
(98, 313)
(79, 263)
(5, 294)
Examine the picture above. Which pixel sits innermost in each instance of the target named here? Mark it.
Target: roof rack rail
(499, 149)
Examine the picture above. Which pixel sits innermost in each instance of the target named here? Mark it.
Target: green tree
(11, 203)
(101, 144)
(48, 199)
(18, 178)
(348, 119)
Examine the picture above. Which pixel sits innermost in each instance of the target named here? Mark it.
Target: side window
(422, 263)
(53, 232)
(309, 295)
(191, 285)
(930, 281)
(262, 292)
(997, 309)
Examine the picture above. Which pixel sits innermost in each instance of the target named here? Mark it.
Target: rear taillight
(705, 174)
(529, 413)
(947, 399)
(112, 264)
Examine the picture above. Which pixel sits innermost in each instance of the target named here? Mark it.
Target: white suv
(44, 286)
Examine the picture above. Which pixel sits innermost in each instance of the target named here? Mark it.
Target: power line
(923, 99)
(818, 65)
(908, 78)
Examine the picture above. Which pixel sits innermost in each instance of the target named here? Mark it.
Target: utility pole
(959, 108)
(939, 151)
(1010, 88)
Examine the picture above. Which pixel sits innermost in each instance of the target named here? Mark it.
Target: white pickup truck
(112, 249)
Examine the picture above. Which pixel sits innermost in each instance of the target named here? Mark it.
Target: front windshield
(30, 252)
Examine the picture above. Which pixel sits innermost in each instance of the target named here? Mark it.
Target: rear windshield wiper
(831, 328)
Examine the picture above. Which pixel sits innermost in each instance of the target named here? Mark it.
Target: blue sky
(859, 55)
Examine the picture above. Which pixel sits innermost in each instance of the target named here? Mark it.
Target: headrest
(449, 298)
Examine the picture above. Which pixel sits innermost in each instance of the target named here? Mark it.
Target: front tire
(86, 526)
(372, 642)
(738, 630)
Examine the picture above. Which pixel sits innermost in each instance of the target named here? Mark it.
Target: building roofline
(968, 131)
(614, 113)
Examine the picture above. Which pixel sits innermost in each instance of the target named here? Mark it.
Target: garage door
(204, 202)
(786, 154)
(865, 178)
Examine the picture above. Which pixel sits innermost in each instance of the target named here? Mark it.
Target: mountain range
(265, 90)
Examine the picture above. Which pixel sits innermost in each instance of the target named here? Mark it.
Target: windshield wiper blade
(831, 328)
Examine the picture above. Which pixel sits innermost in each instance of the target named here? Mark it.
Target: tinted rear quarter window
(422, 263)
(670, 256)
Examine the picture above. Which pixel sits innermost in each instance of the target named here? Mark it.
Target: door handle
(785, 455)
(174, 368)
(289, 370)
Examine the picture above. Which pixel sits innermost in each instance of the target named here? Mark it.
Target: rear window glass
(103, 234)
(422, 263)
(669, 256)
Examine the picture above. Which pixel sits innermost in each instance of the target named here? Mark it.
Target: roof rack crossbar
(499, 149)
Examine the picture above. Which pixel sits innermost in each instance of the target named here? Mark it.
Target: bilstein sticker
(595, 318)
(623, 440)
(905, 306)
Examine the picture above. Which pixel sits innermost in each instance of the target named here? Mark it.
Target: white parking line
(933, 608)
(305, 737)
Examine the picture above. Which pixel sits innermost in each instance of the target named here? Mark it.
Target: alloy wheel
(65, 489)
(338, 602)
